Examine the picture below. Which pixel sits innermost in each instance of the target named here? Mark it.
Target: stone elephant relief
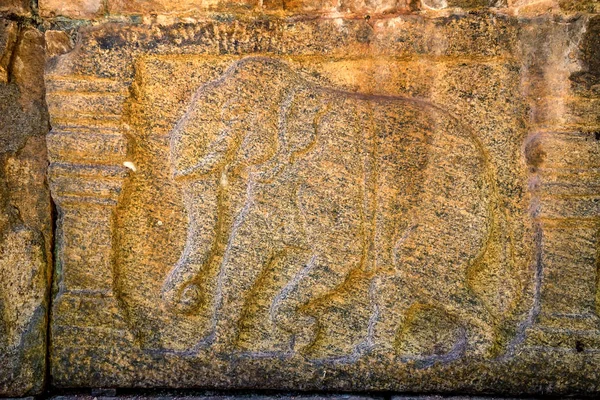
(329, 223)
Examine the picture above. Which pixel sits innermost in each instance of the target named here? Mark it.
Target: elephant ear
(260, 125)
(281, 120)
(263, 89)
(302, 119)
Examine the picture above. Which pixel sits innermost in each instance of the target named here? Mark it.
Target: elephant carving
(339, 222)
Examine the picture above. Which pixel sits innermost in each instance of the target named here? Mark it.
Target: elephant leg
(285, 308)
(184, 289)
(392, 302)
(429, 333)
(479, 330)
(313, 293)
(411, 324)
(331, 215)
(262, 328)
(249, 253)
(442, 319)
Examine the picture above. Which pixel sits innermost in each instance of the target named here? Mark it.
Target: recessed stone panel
(341, 204)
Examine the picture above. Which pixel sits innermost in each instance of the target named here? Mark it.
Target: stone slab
(72, 8)
(343, 204)
(97, 9)
(438, 397)
(15, 7)
(25, 212)
(281, 396)
(222, 396)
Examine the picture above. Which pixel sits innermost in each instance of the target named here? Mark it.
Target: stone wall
(26, 216)
(386, 195)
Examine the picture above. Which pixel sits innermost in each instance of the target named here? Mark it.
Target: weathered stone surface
(72, 8)
(438, 397)
(355, 8)
(395, 196)
(541, 7)
(180, 7)
(283, 396)
(175, 396)
(8, 40)
(25, 212)
(15, 7)
(57, 43)
(92, 8)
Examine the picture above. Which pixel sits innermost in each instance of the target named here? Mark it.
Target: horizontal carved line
(73, 93)
(108, 133)
(548, 169)
(88, 170)
(82, 335)
(580, 332)
(95, 328)
(554, 99)
(84, 200)
(566, 196)
(570, 316)
(591, 220)
(97, 188)
(88, 292)
(569, 127)
(95, 197)
(72, 77)
(86, 116)
(91, 148)
(110, 130)
(565, 190)
(85, 124)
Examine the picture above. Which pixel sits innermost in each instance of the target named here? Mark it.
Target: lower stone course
(276, 396)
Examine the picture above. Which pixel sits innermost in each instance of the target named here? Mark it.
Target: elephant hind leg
(481, 333)
(319, 302)
(344, 317)
(408, 324)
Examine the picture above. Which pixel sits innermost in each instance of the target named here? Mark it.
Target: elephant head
(246, 122)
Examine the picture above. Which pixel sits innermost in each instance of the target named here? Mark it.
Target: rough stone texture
(180, 7)
(15, 7)
(25, 211)
(298, 195)
(437, 397)
(238, 396)
(172, 396)
(356, 8)
(407, 201)
(540, 7)
(72, 8)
